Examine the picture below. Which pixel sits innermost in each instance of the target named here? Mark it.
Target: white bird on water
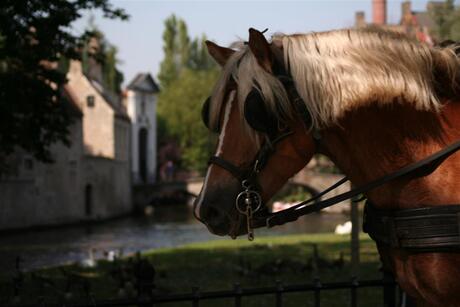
(343, 229)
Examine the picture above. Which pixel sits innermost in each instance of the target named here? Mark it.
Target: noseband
(249, 200)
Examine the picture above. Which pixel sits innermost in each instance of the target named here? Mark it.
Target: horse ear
(218, 53)
(261, 49)
(257, 115)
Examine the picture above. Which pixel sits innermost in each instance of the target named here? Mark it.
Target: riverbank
(167, 227)
(217, 265)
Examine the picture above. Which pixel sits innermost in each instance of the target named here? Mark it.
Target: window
(90, 101)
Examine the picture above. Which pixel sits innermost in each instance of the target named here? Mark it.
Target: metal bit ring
(241, 201)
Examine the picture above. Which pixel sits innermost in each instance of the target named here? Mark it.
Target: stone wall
(110, 185)
(44, 194)
(90, 180)
(55, 194)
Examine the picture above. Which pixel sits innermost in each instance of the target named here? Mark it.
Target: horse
(372, 100)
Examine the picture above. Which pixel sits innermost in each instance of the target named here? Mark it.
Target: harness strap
(417, 169)
(259, 162)
(234, 170)
(294, 96)
(428, 229)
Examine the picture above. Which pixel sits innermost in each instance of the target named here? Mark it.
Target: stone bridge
(147, 194)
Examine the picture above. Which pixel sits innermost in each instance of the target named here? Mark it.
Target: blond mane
(338, 71)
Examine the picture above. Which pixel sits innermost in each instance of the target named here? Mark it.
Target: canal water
(167, 227)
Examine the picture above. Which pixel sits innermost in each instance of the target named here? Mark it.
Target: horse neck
(371, 142)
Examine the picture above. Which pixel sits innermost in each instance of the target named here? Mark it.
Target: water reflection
(167, 227)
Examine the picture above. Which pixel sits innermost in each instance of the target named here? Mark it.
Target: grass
(217, 265)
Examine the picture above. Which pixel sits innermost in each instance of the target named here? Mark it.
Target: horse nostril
(216, 219)
(212, 214)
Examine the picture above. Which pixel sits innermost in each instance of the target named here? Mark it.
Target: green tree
(36, 34)
(186, 75)
(106, 56)
(446, 17)
(169, 66)
(180, 52)
(181, 107)
(113, 77)
(199, 58)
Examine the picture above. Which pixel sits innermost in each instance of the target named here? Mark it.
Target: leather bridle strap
(259, 162)
(417, 169)
(237, 172)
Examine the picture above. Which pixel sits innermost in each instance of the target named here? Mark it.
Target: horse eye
(205, 115)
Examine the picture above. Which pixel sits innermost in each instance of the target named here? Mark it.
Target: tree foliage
(186, 75)
(105, 56)
(36, 34)
(447, 20)
(181, 107)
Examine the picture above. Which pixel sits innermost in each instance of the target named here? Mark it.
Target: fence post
(145, 281)
(237, 289)
(196, 296)
(279, 294)
(317, 293)
(389, 290)
(354, 291)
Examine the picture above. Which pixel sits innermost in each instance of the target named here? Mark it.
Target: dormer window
(90, 101)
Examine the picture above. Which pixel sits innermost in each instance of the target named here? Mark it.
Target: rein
(248, 202)
(417, 169)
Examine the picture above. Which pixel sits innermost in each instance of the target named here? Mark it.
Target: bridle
(249, 202)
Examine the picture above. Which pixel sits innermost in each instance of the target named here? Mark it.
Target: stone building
(419, 25)
(140, 99)
(90, 179)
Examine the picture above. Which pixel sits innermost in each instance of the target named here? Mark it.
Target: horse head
(264, 134)
(381, 102)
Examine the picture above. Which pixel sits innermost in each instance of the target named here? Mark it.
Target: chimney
(406, 13)
(360, 19)
(94, 65)
(379, 12)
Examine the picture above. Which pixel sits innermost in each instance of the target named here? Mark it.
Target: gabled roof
(144, 82)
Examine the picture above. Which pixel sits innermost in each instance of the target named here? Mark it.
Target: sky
(139, 40)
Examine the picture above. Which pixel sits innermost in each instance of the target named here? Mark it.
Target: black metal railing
(139, 289)
(237, 293)
(195, 297)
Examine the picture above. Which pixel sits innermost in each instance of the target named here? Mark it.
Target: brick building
(416, 24)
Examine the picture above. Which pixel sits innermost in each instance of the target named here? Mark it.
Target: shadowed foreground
(218, 265)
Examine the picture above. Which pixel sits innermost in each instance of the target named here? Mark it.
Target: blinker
(205, 115)
(257, 115)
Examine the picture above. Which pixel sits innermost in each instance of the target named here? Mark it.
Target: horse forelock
(338, 71)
